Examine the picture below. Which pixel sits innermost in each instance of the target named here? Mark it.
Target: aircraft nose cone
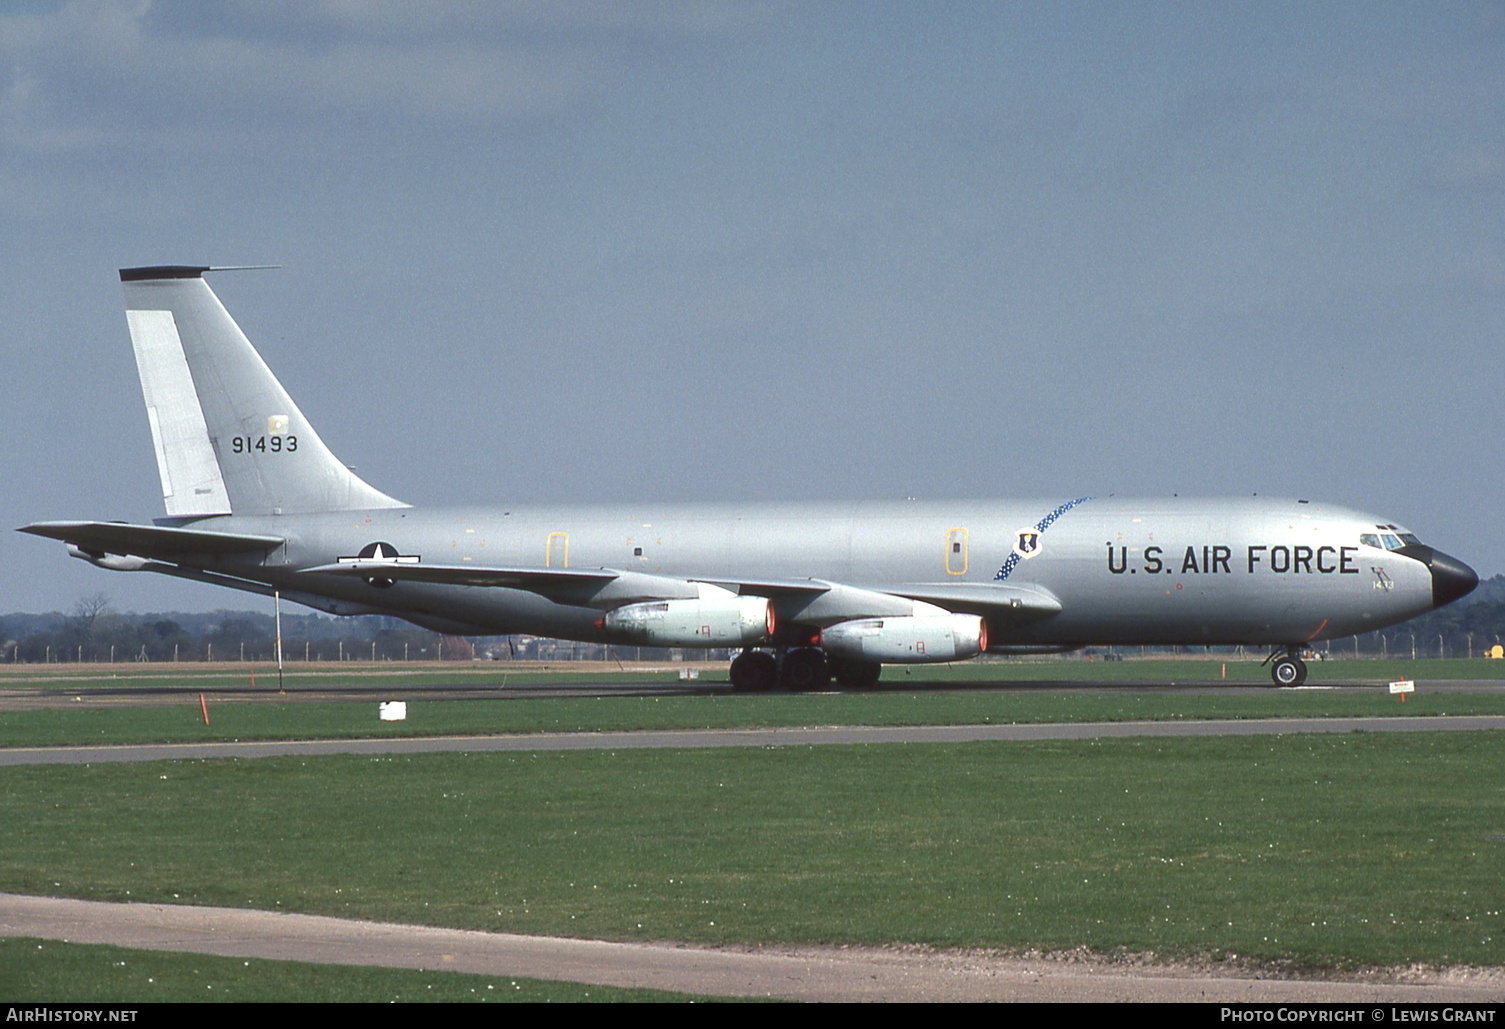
(1451, 578)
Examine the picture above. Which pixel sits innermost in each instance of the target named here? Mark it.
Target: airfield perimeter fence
(103, 637)
(62, 647)
(33, 650)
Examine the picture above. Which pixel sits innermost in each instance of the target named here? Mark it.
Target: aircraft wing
(536, 580)
(812, 601)
(153, 541)
(1023, 601)
(961, 598)
(601, 588)
(545, 580)
(772, 588)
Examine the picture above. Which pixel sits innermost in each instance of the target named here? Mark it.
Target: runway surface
(103, 691)
(783, 737)
(857, 974)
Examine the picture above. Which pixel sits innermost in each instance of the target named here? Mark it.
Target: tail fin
(229, 439)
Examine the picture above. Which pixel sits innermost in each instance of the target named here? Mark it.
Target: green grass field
(346, 720)
(1329, 851)
(1323, 851)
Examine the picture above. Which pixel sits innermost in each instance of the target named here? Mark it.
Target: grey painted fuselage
(1229, 571)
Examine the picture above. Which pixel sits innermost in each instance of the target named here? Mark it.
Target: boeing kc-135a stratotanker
(807, 592)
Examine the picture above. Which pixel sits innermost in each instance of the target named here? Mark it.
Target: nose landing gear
(1288, 669)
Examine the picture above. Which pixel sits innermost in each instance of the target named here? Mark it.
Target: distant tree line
(1463, 629)
(93, 632)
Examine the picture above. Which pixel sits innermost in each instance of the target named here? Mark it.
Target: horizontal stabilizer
(150, 540)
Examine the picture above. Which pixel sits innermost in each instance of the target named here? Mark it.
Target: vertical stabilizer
(228, 437)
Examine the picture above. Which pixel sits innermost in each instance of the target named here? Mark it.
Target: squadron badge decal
(1027, 541)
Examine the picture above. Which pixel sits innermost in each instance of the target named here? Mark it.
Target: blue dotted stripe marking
(1012, 561)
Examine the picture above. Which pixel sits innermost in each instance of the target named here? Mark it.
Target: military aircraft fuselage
(1229, 571)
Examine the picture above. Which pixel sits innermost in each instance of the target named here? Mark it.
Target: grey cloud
(1468, 168)
(462, 20)
(102, 72)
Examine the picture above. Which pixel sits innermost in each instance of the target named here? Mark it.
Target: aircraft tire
(805, 669)
(754, 671)
(1288, 671)
(857, 675)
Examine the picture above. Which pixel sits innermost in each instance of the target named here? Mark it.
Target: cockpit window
(1388, 540)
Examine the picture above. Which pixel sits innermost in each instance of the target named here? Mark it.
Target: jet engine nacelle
(114, 562)
(914, 639)
(717, 618)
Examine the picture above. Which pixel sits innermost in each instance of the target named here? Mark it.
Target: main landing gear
(1288, 669)
(804, 668)
(856, 675)
(754, 671)
(799, 668)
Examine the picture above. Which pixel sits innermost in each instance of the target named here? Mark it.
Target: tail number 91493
(263, 444)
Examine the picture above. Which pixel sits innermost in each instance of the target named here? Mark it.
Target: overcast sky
(689, 249)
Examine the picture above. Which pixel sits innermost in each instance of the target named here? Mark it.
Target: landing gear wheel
(1288, 670)
(804, 669)
(754, 671)
(857, 675)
